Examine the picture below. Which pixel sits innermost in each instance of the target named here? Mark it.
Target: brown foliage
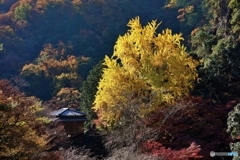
(66, 97)
(135, 131)
(5, 19)
(22, 134)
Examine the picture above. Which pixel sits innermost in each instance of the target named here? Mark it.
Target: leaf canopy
(153, 68)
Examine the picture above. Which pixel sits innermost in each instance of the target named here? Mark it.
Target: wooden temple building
(72, 120)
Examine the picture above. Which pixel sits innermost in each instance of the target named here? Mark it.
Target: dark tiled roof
(58, 112)
(69, 112)
(66, 112)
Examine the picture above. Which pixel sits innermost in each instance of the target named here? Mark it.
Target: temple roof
(69, 113)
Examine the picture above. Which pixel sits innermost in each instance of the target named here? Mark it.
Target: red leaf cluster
(203, 122)
(157, 149)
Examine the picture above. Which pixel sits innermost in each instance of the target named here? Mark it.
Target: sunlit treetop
(148, 67)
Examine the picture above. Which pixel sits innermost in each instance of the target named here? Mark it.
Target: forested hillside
(156, 79)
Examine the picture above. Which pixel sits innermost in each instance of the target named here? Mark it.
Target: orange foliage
(157, 149)
(52, 62)
(21, 132)
(195, 31)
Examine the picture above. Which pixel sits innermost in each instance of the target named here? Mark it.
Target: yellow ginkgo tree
(146, 71)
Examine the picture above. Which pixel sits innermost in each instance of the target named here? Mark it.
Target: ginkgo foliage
(147, 70)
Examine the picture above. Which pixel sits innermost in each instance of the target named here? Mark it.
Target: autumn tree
(22, 133)
(55, 68)
(153, 68)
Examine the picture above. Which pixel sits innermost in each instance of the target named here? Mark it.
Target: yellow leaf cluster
(189, 9)
(171, 3)
(145, 65)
